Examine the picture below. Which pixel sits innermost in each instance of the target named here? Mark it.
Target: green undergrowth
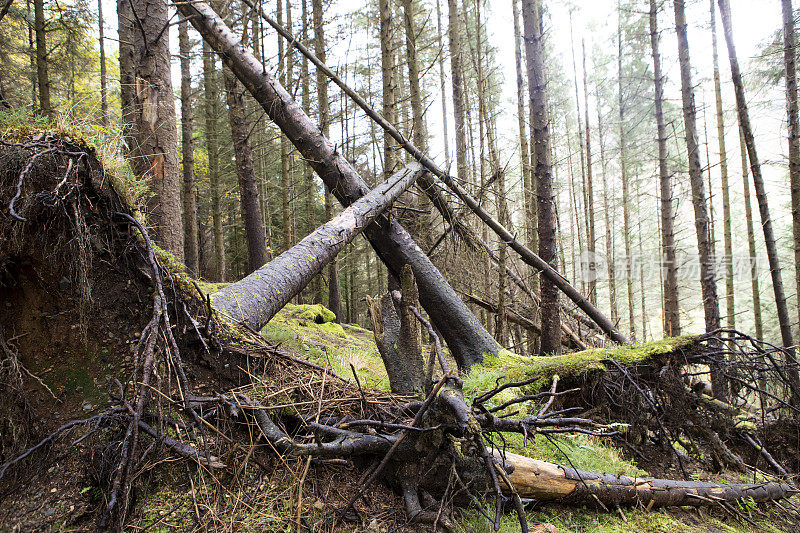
(554, 518)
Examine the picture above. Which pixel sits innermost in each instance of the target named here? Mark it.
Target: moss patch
(317, 313)
(333, 345)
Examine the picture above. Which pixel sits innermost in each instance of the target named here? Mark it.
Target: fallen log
(467, 339)
(532, 478)
(258, 297)
(505, 235)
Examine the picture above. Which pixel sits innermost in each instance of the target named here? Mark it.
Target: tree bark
(751, 242)
(623, 166)
(103, 77)
(761, 195)
(187, 151)
(454, 40)
(43, 78)
(537, 83)
(255, 299)
(155, 134)
(334, 294)
(467, 340)
(212, 147)
(708, 282)
(248, 188)
(789, 59)
(590, 234)
(503, 233)
(549, 482)
(672, 323)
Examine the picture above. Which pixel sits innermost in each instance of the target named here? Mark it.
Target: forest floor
(349, 348)
(76, 292)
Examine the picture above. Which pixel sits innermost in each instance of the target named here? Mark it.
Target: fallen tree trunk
(258, 297)
(505, 235)
(532, 478)
(467, 339)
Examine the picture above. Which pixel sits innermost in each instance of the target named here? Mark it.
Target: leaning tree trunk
(468, 341)
(672, 323)
(255, 299)
(761, 195)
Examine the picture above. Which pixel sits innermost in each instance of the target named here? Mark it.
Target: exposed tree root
(439, 452)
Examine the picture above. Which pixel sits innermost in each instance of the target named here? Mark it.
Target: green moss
(508, 366)
(316, 313)
(331, 328)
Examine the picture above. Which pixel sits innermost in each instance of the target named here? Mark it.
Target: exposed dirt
(71, 302)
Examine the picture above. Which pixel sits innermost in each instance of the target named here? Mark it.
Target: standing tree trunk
(442, 82)
(672, 322)
(454, 39)
(334, 293)
(154, 152)
(212, 147)
(308, 174)
(623, 167)
(248, 186)
(388, 77)
(187, 151)
(537, 83)
(730, 306)
(467, 340)
(103, 78)
(758, 181)
(528, 194)
(420, 222)
(612, 283)
(751, 242)
(789, 58)
(590, 230)
(285, 77)
(40, 27)
(708, 283)
(582, 156)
